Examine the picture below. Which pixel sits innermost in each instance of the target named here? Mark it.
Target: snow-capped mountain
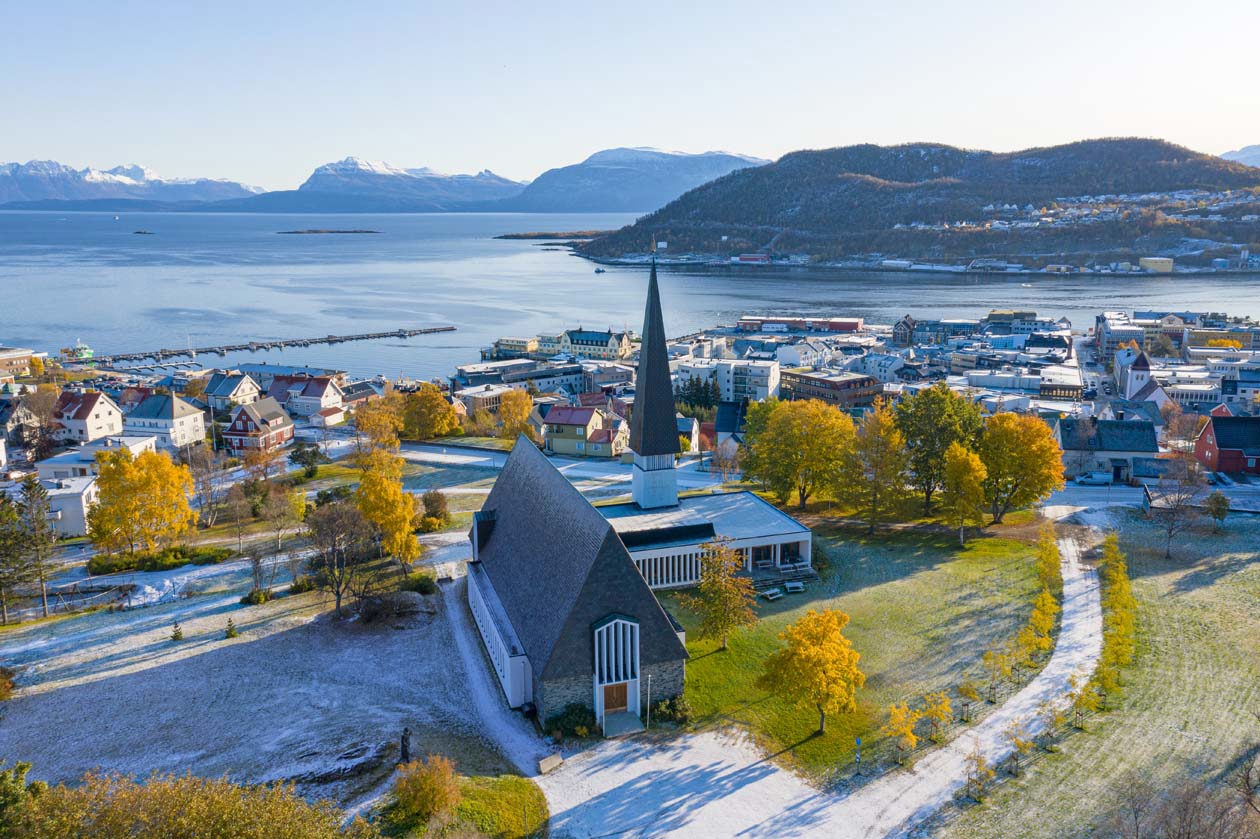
(423, 186)
(1250, 155)
(42, 180)
(625, 179)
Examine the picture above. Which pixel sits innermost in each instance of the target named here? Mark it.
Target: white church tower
(653, 427)
(1138, 374)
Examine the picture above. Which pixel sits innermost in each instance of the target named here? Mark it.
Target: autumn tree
(142, 502)
(816, 666)
(1181, 430)
(42, 405)
(902, 720)
(938, 711)
(1175, 502)
(377, 425)
(514, 409)
(962, 489)
(436, 506)
(1224, 343)
(1022, 461)
(261, 464)
(1052, 717)
(383, 501)
(875, 468)
(282, 510)
(800, 448)
(427, 414)
(1017, 739)
(1083, 700)
(970, 694)
(979, 774)
(1216, 505)
(931, 422)
(15, 566)
(998, 665)
(341, 540)
(38, 537)
(725, 599)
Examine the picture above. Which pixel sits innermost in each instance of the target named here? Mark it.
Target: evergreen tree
(37, 532)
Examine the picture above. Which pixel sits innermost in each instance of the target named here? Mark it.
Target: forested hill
(866, 189)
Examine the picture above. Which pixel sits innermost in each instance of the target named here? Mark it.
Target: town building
(82, 461)
(175, 422)
(82, 416)
(584, 432)
(15, 362)
(1230, 444)
(737, 379)
(588, 343)
(304, 396)
(841, 388)
(1111, 446)
(260, 425)
(225, 390)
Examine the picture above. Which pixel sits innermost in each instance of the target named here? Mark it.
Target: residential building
(86, 415)
(17, 423)
(584, 432)
(587, 343)
(841, 388)
(304, 396)
(69, 501)
(15, 362)
(1230, 444)
(1094, 445)
(226, 390)
(175, 422)
(261, 424)
(484, 398)
(737, 379)
(263, 373)
(765, 323)
(82, 461)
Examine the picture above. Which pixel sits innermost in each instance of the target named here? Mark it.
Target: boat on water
(79, 352)
(600, 271)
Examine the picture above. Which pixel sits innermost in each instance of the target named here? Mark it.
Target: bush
(162, 560)
(332, 495)
(506, 806)
(258, 596)
(574, 716)
(230, 631)
(177, 632)
(7, 677)
(428, 524)
(302, 584)
(419, 581)
(435, 506)
(675, 709)
(424, 790)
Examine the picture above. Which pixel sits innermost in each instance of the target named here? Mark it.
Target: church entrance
(615, 698)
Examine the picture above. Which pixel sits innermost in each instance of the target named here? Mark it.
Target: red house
(1230, 444)
(258, 425)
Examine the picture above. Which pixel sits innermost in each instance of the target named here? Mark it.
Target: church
(561, 590)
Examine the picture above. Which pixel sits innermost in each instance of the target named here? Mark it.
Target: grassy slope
(922, 611)
(1188, 699)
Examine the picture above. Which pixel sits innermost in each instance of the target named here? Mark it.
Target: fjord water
(204, 279)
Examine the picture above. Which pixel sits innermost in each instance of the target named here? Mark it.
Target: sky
(263, 92)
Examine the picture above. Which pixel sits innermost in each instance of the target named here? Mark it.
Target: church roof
(652, 427)
(558, 567)
(1142, 362)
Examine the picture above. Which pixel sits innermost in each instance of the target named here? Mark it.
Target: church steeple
(653, 427)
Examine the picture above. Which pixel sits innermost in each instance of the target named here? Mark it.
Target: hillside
(48, 180)
(623, 180)
(858, 198)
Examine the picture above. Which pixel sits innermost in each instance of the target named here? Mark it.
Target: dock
(255, 346)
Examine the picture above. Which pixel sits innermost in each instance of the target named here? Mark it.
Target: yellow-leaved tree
(427, 414)
(876, 468)
(962, 489)
(816, 666)
(142, 502)
(1023, 462)
(514, 410)
(377, 424)
(725, 599)
(900, 726)
(938, 711)
(383, 502)
(798, 448)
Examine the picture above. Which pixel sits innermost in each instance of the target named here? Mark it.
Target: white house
(81, 461)
(305, 396)
(173, 421)
(226, 390)
(69, 500)
(86, 415)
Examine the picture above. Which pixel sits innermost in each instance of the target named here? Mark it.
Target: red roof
(566, 415)
(77, 406)
(331, 412)
(601, 435)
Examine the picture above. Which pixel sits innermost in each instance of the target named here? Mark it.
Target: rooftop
(735, 515)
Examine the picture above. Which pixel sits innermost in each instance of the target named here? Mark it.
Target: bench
(549, 763)
(772, 594)
(794, 588)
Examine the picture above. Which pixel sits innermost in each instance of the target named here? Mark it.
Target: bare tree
(342, 540)
(42, 405)
(239, 512)
(209, 478)
(1174, 505)
(282, 509)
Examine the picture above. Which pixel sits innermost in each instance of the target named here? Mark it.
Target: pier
(254, 346)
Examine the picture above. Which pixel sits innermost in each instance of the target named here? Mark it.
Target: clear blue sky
(264, 91)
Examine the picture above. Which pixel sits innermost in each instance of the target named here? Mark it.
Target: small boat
(115, 218)
(1026, 285)
(600, 271)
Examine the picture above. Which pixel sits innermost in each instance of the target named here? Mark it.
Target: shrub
(428, 524)
(675, 709)
(506, 806)
(177, 632)
(7, 677)
(419, 581)
(435, 506)
(258, 596)
(424, 790)
(162, 560)
(332, 495)
(302, 584)
(230, 631)
(567, 722)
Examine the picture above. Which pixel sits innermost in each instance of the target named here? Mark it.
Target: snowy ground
(719, 784)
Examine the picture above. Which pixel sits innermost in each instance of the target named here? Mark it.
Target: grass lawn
(500, 806)
(1188, 700)
(922, 612)
(501, 444)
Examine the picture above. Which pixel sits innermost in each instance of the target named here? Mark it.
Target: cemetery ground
(1187, 705)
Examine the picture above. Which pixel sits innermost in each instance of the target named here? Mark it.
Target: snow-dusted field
(296, 696)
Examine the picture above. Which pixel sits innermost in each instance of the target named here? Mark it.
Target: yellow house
(584, 432)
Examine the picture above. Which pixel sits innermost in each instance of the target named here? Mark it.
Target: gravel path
(719, 784)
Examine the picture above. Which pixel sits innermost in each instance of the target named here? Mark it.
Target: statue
(406, 746)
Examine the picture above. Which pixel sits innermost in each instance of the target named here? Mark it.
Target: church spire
(653, 428)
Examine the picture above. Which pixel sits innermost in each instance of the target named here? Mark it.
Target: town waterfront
(204, 279)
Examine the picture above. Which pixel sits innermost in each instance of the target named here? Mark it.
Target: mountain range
(1249, 155)
(862, 198)
(614, 180)
(45, 180)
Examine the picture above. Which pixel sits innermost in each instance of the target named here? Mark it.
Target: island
(318, 232)
(573, 234)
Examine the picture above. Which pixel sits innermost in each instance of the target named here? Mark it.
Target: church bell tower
(653, 427)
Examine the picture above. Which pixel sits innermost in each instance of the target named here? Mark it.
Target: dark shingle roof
(652, 428)
(558, 567)
(162, 407)
(1242, 433)
(1107, 435)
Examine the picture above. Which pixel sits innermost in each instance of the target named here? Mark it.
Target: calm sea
(217, 278)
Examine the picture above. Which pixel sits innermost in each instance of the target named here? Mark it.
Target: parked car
(1094, 479)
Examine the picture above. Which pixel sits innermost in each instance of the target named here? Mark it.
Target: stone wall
(668, 678)
(551, 696)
